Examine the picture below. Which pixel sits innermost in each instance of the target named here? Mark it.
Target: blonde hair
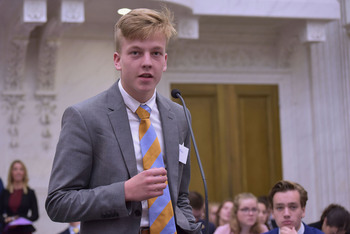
(219, 209)
(10, 187)
(143, 23)
(235, 226)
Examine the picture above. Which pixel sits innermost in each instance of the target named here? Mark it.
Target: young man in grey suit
(98, 176)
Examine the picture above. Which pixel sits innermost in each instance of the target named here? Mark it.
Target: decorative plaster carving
(221, 57)
(33, 14)
(72, 11)
(46, 109)
(287, 43)
(13, 106)
(34, 11)
(15, 64)
(313, 31)
(188, 27)
(45, 94)
(47, 63)
(286, 49)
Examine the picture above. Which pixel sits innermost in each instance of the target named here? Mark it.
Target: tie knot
(143, 111)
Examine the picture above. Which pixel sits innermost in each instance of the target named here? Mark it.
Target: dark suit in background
(1, 189)
(1, 186)
(65, 231)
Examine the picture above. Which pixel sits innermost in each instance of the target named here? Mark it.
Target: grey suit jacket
(95, 156)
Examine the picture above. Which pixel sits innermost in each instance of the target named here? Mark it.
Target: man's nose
(286, 212)
(147, 61)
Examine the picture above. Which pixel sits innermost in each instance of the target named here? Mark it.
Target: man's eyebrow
(157, 48)
(134, 48)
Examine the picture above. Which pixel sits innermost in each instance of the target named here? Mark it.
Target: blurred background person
(270, 223)
(263, 211)
(74, 228)
(198, 210)
(1, 186)
(244, 219)
(213, 209)
(335, 219)
(18, 200)
(223, 215)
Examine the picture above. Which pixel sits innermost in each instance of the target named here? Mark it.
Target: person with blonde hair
(224, 213)
(18, 200)
(123, 156)
(244, 217)
(213, 210)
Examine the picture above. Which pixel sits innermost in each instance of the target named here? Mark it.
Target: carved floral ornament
(34, 14)
(224, 56)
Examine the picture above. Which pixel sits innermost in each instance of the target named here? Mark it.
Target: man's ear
(117, 60)
(303, 209)
(165, 64)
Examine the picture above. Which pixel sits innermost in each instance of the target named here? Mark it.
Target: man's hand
(145, 185)
(288, 230)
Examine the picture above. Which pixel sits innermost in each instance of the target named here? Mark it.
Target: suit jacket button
(137, 212)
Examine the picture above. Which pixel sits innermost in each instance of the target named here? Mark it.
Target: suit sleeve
(70, 196)
(183, 201)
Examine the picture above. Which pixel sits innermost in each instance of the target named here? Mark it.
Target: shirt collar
(133, 104)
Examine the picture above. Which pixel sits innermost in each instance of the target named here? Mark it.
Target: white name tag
(183, 153)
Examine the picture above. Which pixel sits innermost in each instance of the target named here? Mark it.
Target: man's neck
(301, 228)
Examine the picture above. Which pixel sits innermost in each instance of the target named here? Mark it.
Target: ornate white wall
(52, 58)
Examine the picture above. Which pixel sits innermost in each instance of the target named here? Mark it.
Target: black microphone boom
(175, 93)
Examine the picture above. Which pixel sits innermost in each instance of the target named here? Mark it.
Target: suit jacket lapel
(171, 145)
(121, 127)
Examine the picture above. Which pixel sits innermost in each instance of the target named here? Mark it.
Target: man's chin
(288, 224)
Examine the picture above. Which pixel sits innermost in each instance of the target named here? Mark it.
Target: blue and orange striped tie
(161, 214)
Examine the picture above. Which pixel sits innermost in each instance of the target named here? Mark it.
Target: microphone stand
(178, 95)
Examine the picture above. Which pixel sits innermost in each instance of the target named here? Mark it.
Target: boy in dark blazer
(288, 200)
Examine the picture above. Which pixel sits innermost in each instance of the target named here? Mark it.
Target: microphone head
(175, 93)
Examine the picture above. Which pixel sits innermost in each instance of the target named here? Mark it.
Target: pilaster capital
(188, 27)
(72, 11)
(312, 31)
(34, 11)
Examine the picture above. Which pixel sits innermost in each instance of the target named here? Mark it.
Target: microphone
(175, 93)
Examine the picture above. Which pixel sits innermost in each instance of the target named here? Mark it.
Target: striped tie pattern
(161, 214)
